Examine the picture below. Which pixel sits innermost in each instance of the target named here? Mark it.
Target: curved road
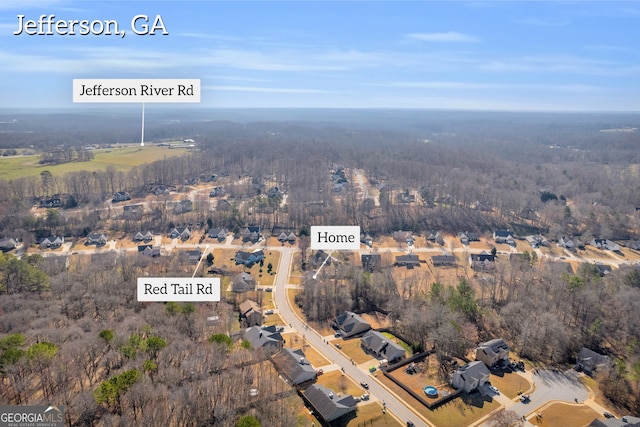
(393, 403)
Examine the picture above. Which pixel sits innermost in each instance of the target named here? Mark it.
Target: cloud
(468, 86)
(264, 89)
(449, 37)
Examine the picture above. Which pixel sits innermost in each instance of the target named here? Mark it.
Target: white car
(494, 389)
(269, 312)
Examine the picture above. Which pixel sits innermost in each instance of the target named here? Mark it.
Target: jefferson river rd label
(136, 90)
(178, 289)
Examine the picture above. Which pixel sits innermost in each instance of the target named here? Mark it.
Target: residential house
(350, 324)
(436, 236)
(504, 236)
(140, 236)
(218, 233)
(603, 269)
(98, 239)
(193, 256)
(403, 236)
(287, 237)
(443, 260)
(51, 242)
(493, 352)
(243, 282)
(7, 244)
(410, 261)
(121, 196)
(605, 244)
(249, 258)
(591, 362)
(274, 192)
(319, 257)
(470, 377)
(183, 233)
(183, 206)
(149, 250)
(217, 192)
(375, 343)
(251, 234)
(467, 237)
(133, 212)
(250, 313)
(625, 421)
(634, 244)
(371, 262)
(571, 243)
(536, 240)
(327, 405)
(482, 261)
(294, 366)
(406, 197)
(265, 337)
(51, 202)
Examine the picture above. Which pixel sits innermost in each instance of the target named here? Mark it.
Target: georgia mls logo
(31, 416)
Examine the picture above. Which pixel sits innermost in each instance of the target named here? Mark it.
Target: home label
(335, 237)
(178, 289)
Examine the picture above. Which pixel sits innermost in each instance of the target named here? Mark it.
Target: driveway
(553, 385)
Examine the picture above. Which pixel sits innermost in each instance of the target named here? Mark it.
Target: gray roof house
(193, 255)
(250, 313)
(605, 244)
(250, 234)
(504, 236)
(403, 236)
(143, 237)
(410, 261)
(51, 242)
(243, 282)
(467, 237)
(98, 239)
(591, 362)
(470, 377)
(7, 244)
(294, 366)
(249, 258)
(443, 260)
(350, 324)
(180, 232)
(626, 421)
(482, 261)
(373, 342)
(492, 352)
(326, 404)
(268, 338)
(218, 233)
(287, 237)
(371, 262)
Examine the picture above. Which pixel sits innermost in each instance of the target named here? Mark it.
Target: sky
(502, 55)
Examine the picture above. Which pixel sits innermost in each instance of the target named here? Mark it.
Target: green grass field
(122, 158)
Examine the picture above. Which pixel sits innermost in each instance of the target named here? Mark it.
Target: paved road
(393, 404)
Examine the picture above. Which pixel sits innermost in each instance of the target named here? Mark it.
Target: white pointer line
(206, 248)
(315, 276)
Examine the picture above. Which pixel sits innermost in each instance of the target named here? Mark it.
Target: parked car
(364, 396)
(410, 424)
(524, 398)
(364, 385)
(372, 368)
(608, 415)
(269, 311)
(494, 389)
(337, 334)
(338, 346)
(268, 289)
(319, 372)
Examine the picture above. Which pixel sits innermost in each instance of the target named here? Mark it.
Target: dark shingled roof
(329, 408)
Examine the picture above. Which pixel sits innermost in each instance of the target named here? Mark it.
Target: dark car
(410, 424)
(364, 385)
(608, 415)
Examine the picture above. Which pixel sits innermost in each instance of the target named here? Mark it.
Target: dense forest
(75, 334)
